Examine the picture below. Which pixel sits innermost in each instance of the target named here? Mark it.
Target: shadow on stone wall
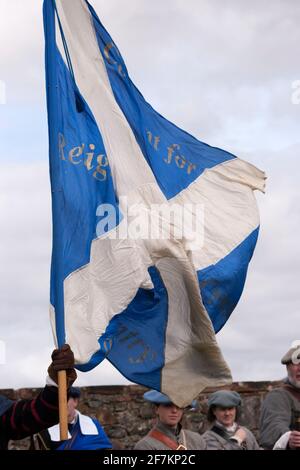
(126, 417)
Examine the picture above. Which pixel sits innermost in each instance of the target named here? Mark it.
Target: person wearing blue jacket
(84, 433)
(24, 418)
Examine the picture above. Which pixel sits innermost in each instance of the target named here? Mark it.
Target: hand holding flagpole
(62, 372)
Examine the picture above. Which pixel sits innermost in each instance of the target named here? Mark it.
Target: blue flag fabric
(153, 230)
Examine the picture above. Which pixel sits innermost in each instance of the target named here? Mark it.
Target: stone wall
(126, 417)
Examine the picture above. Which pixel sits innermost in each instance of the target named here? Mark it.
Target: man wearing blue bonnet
(167, 433)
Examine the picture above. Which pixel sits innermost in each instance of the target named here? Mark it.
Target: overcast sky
(223, 71)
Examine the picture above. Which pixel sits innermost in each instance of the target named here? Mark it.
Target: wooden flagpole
(63, 405)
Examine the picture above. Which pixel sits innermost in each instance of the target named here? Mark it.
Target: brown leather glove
(63, 359)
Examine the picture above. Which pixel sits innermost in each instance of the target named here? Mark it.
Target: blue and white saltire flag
(124, 285)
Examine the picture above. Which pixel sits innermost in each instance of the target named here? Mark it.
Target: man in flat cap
(168, 434)
(281, 407)
(226, 433)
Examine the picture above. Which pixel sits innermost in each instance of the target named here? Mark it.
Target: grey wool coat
(190, 439)
(277, 415)
(216, 442)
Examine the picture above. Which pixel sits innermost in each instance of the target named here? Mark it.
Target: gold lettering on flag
(84, 156)
(173, 154)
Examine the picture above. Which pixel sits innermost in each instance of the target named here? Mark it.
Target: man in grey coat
(281, 407)
(226, 433)
(168, 434)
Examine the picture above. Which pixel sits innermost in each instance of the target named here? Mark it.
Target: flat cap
(224, 399)
(157, 397)
(292, 354)
(5, 404)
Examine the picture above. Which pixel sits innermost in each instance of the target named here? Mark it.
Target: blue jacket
(86, 434)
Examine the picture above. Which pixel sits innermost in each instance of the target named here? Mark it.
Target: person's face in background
(72, 406)
(169, 414)
(225, 416)
(293, 371)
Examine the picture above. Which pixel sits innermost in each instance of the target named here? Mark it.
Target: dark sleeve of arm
(275, 418)
(28, 417)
